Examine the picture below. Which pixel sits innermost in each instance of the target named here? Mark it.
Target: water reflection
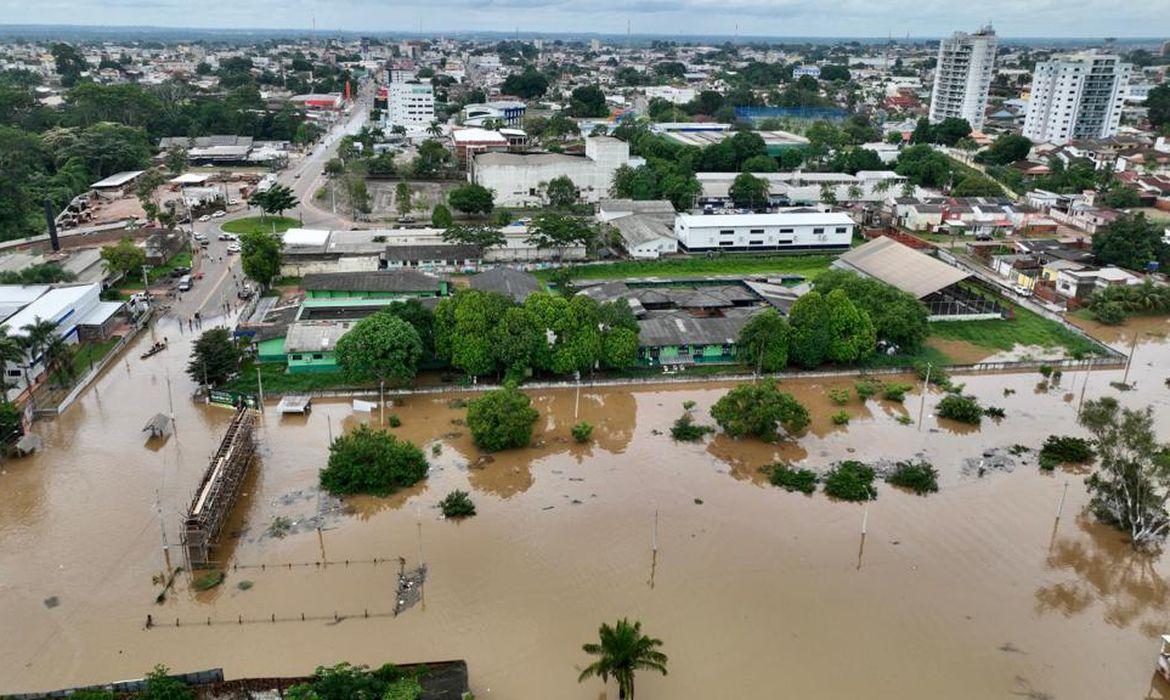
(1106, 572)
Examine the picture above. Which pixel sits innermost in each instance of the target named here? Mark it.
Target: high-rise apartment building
(963, 77)
(1076, 97)
(410, 104)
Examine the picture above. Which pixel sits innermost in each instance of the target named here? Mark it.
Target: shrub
(395, 421)
(964, 409)
(1065, 449)
(841, 418)
(895, 392)
(759, 410)
(372, 461)
(867, 388)
(501, 419)
(994, 412)
(1111, 313)
(851, 481)
(687, 430)
(1046, 371)
(938, 376)
(905, 420)
(918, 476)
(582, 431)
(457, 504)
(791, 479)
(839, 397)
(688, 405)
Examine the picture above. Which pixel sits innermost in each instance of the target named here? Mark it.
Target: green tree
(260, 255)
(1120, 196)
(587, 101)
(924, 166)
(977, 186)
(949, 131)
(482, 236)
(1131, 241)
(621, 651)
(471, 199)
(275, 200)
(463, 329)
(516, 339)
(760, 410)
(851, 333)
(559, 231)
(160, 686)
(441, 217)
(763, 341)
(898, 318)
(69, 63)
(214, 358)
(501, 419)
(561, 192)
(1006, 149)
(176, 160)
(381, 346)
(760, 164)
(571, 327)
(530, 84)
(1158, 106)
(619, 348)
(1132, 483)
(373, 462)
(748, 191)
(811, 330)
(124, 258)
(402, 198)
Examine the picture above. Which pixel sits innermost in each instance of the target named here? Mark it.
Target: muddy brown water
(975, 592)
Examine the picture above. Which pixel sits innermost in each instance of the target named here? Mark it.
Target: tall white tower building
(963, 77)
(1076, 97)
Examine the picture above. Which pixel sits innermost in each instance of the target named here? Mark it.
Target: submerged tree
(1132, 484)
(622, 650)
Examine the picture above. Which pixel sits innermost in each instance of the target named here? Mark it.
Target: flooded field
(975, 592)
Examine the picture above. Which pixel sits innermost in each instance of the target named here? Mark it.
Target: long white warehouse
(801, 230)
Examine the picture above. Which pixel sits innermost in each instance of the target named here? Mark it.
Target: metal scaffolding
(219, 489)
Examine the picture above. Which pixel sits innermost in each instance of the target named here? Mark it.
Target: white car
(233, 248)
(233, 202)
(219, 213)
(205, 218)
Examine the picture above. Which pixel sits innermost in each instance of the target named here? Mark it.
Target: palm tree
(10, 353)
(37, 336)
(623, 650)
(434, 129)
(59, 356)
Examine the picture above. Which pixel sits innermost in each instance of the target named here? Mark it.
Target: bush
(688, 405)
(209, 580)
(759, 410)
(918, 476)
(1111, 313)
(964, 409)
(867, 388)
(582, 431)
(501, 419)
(1046, 371)
(372, 461)
(791, 479)
(994, 412)
(895, 392)
(395, 421)
(1065, 449)
(457, 504)
(840, 418)
(686, 430)
(851, 481)
(839, 397)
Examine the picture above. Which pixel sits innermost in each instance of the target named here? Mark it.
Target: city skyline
(759, 18)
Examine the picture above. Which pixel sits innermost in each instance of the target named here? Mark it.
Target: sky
(779, 18)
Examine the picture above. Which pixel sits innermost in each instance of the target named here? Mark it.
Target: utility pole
(170, 397)
(260, 387)
(922, 404)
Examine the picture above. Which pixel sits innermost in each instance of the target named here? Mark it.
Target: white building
(518, 179)
(645, 227)
(673, 95)
(410, 104)
(801, 71)
(790, 230)
(963, 76)
(1076, 98)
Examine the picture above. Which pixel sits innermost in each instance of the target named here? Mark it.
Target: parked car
(218, 213)
(233, 248)
(245, 292)
(185, 283)
(1022, 290)
(233, 202)
(205, 218)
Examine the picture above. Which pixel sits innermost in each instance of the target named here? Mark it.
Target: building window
(727, 232)
(842, 229)
(294, 357)
(818, 230)
(726, 242)
(13, 373)
(318, 356)
(759, 231)
(756, 242)
(787, 230)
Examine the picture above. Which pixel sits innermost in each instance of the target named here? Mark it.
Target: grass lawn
(154, 274)
(276, 380)
(90, 353)
(807, 265)
(255, 223)
(1027, 328)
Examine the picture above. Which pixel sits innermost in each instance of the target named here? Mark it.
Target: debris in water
(698, 501)
(52, 602)
(993, 460)
(409, 585)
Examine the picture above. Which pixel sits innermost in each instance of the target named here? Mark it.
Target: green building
(682, 339)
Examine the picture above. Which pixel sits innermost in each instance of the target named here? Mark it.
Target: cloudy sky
(1012, 18)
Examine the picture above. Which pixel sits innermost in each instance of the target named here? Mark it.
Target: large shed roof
(901, 266)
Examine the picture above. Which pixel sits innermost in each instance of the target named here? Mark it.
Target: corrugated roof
(682, 329)
(901, 266)
(504, 280)
(380, 281)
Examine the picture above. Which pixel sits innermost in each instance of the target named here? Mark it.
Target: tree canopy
(501, 419)
(382, 346)
(1131, 241)
(371, 461)
(215, 358)
(760, 410)
(260, 254)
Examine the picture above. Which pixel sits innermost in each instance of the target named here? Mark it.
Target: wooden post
(1129, 360)
(260, 388)
(1063, 494)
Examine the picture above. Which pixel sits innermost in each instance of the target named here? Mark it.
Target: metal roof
(380, 281)
(901, 266)
(504, 280)
(681, 329)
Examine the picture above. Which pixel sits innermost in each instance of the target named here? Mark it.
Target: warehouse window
(818, 230)
(842, 229)
(727, 232)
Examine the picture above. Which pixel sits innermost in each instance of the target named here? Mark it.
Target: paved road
(221, 271)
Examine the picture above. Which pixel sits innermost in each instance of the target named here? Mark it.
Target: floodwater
(975, 592)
